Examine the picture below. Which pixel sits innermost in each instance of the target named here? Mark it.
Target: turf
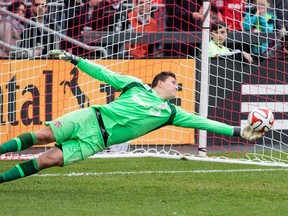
(147, 186)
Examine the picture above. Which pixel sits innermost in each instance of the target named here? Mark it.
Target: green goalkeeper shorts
(78, 134)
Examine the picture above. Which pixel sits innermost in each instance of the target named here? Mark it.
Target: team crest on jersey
(155, 111)
(162, 106)
(57, 124)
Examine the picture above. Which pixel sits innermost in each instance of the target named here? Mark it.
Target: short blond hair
(266, 2)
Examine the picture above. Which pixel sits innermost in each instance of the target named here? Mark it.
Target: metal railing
(169, 37)
(50, 31)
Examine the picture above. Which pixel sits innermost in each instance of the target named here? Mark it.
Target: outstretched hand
(64, 55)
(248, 133)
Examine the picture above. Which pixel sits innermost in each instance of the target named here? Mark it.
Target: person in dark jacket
(78, 15)
(36, 38)
(179, 18)
(111, 16)
(11, 28)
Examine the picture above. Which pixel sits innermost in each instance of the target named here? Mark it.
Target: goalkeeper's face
(170, 87)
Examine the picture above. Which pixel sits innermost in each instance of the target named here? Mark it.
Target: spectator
(180, 15)
(35, 37)
(75, 17)
(141, 21)
(279, 50)
(232, 12)
(158, 12)
(78, 21)
(111, 15)
(215, 13)
(218, 37)
(280, 9)
(258, 19)
(179, 18)
(11, 28)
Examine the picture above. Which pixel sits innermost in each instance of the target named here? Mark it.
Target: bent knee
(54, 157)
(45, 136)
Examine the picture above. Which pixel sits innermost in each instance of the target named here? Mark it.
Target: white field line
(157, 172)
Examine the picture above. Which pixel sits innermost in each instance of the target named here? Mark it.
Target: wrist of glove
(248, 133)
(66, 56)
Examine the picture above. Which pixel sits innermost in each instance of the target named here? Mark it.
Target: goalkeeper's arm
(95, 70)
(189, 120)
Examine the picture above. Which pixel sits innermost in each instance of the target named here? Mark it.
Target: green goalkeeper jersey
(139, 109)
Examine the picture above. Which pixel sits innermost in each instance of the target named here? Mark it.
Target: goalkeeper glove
(66, 56)
(248, 133)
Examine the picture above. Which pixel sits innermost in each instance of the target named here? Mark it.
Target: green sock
(19, 143)
(20, 170)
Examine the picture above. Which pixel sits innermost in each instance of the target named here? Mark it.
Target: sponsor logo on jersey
(138, 100)
(155, 111)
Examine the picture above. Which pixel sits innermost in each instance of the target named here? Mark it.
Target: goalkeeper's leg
(51, 158)
(19, 143)
(27, 140)
(33, 166)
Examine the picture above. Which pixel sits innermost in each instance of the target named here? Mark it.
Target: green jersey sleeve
(214, 49)
(189, 120)
(103, 74)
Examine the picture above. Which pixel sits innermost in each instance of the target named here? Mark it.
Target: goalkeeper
(137, 111)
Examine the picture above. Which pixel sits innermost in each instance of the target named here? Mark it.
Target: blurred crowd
(37, 26)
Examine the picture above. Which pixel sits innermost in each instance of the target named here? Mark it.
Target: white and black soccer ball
(261, 119)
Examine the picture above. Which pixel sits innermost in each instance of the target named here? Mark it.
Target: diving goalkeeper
(139, 110)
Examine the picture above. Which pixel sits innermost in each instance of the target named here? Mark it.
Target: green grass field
(147, 186)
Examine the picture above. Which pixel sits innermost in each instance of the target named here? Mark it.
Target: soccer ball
(261, 119)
